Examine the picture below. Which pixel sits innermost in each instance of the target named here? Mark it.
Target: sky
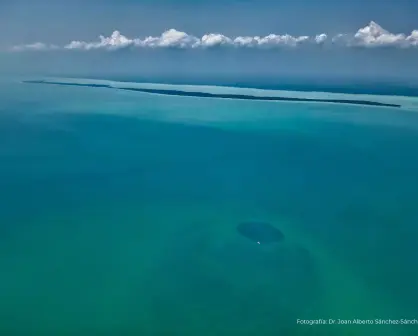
(357, 38)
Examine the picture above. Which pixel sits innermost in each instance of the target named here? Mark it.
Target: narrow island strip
(172, 92)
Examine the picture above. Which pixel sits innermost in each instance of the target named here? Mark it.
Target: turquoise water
(118, 215)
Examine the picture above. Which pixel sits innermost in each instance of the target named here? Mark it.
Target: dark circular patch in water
(260, 232)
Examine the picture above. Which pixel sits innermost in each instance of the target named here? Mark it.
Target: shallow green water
(118, 215)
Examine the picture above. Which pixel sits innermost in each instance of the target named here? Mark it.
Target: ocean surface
(119, 212)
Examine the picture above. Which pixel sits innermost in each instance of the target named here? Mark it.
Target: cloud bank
(38, 46)
(370, 36)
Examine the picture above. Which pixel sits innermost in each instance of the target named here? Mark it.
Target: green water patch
(153, 270)
(176, 268)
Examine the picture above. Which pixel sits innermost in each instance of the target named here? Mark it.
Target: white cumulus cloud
(273, 40)
(171, 38)
(270, 41)
(375, 35)
(412, 39)
(372, 35)
(212, 40)
(115, 41)
(321, 38)
(246, 41)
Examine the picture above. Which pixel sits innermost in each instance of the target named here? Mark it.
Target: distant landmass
(172, 92)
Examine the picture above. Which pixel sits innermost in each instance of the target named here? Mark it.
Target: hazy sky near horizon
(59, 22)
